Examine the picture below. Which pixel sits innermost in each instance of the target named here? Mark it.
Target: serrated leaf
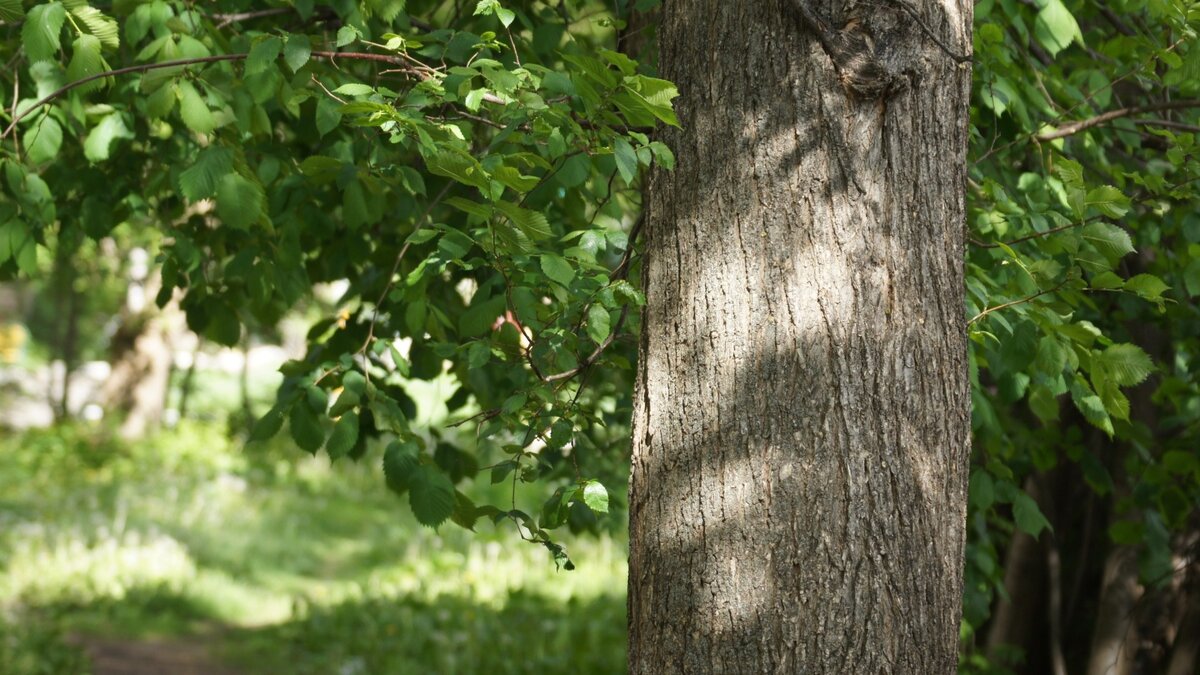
(42, 140)
(532, 224)
(104, 28)
(11, 11)
(400, 461)
(41, 34)
(1110, 240)
(344, 436)
(431, 495)
(297, 51)
(595, 496)
(239, 201)
(1108, 200)
(306, 428)
(1127, 364)
(194, 110)
(1148, 286)
(99, 141)
(460, 166)
(263, 54)
(346, 35)
(200, 180)
(1028, 517)
(557, 268)
(86, 61)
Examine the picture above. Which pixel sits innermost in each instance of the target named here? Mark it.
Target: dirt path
(152, 657)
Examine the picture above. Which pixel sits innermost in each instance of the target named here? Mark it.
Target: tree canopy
(473, 170)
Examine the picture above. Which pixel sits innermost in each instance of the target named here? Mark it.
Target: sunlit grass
(187, 533)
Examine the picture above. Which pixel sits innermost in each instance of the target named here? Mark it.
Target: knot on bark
(871, 51)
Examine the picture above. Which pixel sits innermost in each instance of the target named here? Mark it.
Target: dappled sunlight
(154, 540)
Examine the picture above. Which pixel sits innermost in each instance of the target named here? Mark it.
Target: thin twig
(226, 19)
(1103, 118)
(1039, 294)
(391, 282)
(916, 16)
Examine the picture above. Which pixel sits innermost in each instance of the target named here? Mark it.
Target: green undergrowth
(291, 565)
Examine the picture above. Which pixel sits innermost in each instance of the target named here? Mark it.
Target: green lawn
(287, 564)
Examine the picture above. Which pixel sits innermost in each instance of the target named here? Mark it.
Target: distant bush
(382, 636)
(32, 646)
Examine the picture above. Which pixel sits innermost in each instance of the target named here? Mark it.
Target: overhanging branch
(332, 56)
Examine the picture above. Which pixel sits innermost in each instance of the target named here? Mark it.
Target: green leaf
(99, 141)
(1028, 517)
(267, 426)
(599, 323)
(595, 496)
(102, 27)
(1127, 364)
(306, 427)
(400, 462)
(1055, 27)
(1148, 286)
(1127, 532)
(42, 30)
(532, 223)
(346, 35)
(239, 201)
(328, 116)
(11, 11)
(86, 61)
(263, 54)
(627, 162)
(43, 140)
(200, 180)
(1110, 240)
(1090, 405)
(460, 166)
(1108, 200)
(344, 436)
(297, 51)
(982, 490)
(557, 268)
(355, 89)
(431, 495)
(194, 110)
(1071, 173)
(1191, 277)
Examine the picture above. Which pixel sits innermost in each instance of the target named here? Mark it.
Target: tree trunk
(801, 420)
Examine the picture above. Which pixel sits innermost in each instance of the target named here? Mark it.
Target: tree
(800, 449)
(473, 173)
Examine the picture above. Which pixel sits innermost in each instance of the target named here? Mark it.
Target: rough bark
(801, 419)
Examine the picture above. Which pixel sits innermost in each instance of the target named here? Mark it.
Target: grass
(295, 566)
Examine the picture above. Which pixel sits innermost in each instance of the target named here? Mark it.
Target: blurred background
(140, 534)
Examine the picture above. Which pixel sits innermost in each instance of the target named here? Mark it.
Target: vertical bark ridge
(801, 417)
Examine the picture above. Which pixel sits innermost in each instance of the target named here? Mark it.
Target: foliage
(1082, 273)
(473, 177)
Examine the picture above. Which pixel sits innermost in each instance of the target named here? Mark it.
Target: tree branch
(1039, 294)
(1104, 118)
(331, 56)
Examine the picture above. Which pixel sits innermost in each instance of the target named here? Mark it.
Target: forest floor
(152, 657)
